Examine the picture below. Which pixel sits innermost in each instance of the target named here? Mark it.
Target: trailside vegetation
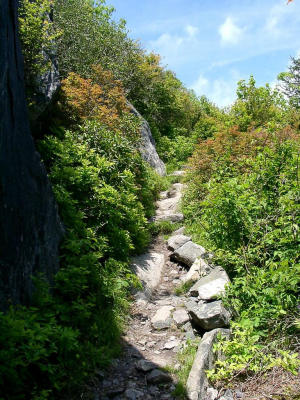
(242, 203)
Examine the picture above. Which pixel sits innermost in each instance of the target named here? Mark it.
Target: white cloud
(276, 17)
(191, 30)
(221, 91)
(166, 39)
(174, 47)
(201, 85)
(230, 32)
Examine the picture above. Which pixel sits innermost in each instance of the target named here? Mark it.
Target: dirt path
(152, 339)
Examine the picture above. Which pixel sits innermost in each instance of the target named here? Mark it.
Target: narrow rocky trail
(161, 322)
(152, 340)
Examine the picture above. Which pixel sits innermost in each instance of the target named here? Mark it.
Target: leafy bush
(243, 207)
(100, 183)
(101, 98)
(257, 106)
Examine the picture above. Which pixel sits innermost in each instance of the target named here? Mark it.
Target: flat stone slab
(162, 318)
(209, 316)
(179, 231)
(177, 217)
(181, 316)
(197, 384)
(176, 241)
(169, 204)
(188, 253)
(171, 344)
(211, 286)
(148, 268)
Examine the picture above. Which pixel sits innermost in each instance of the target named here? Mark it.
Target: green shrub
(163, 227)
(250, 221)
(103, 190)
(183, 288)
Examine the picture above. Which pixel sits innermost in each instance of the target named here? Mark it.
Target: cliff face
(30, 229)
(147, 145)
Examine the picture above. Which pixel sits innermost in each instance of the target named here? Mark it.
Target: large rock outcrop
(30, 229)
(45, 88)
(147, 145)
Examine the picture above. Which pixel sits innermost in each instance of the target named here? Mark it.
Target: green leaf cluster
(248, 215)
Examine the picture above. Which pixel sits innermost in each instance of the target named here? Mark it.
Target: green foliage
(244, 353)
(183, 288)
(257, 106)
(186, 358)
(243, 205)
(175, 150)
(290, 82)
(103, 190)
(37, 36)
(163, 227)
(90, 36)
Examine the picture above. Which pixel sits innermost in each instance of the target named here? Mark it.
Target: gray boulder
(210, 315)
(180, 316)
(211, 286)
(147, 145)
(145, 365)
(177, 241)
(198, 387)
(176, 217)
(199, 269)
(148, 268)
(188, 253)
(162, 319)
(158, 376)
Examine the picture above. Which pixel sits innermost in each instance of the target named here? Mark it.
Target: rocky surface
(198, 387)
(148, 268)
(188, 253)
(161, 323)
(209, 316)
(147, 145)
(162, 318)
(198, 269)
(177, 241)
(167, 206)
(211, 286)
(30, 228)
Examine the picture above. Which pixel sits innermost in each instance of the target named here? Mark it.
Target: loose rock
(188, 253)
(133, 394)
(177, 241)
(175, 217)
(145, 365)
(199, 269)
(209, 316)
(162, 319)
(158, 376)
(211, 286)
(171, 344)
(180, 316)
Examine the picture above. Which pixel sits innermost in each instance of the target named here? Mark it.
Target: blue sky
(210, 45)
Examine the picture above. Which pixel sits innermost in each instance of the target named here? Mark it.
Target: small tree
(290, 82)
(256, 106)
